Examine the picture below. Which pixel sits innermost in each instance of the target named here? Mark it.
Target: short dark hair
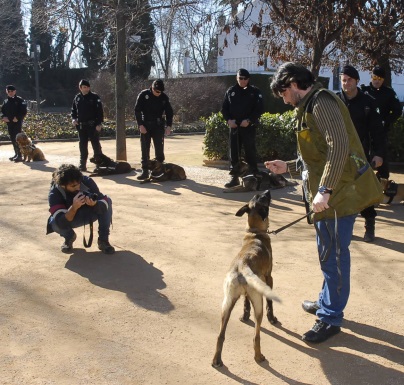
(65, 174)
(291, 72)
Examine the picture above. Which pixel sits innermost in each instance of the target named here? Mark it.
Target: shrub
(396, 142)
(275, 137)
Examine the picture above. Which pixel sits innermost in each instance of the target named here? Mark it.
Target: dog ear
(243, 210)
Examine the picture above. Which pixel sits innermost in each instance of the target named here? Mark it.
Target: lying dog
(161, 172)
(107, 166)
(28, 150)
(250, 274)
(261, 180)
(394, 192)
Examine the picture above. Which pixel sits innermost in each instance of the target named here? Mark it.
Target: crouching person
(74, 201)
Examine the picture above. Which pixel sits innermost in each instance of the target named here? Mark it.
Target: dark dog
(161, 172)
(107, 166)
(394, 192)
(28, 150)
(261, 180)
(250, 274)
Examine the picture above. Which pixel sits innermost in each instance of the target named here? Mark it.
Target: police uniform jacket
(87, 108)
(387, 101)
(14, 108)
(242, 103)
(150, 108)
(367, 121)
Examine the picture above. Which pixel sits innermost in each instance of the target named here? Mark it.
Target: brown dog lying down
(260, 181)
(28, 150)
(394, 192)
(161, 172)
(106, 166)
(250, 274)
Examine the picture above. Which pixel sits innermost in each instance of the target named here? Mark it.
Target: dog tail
(258, 284)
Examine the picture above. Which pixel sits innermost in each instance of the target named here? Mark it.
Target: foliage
(275, 137)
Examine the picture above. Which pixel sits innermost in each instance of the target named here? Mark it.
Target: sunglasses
(242, 78)
(374, 77)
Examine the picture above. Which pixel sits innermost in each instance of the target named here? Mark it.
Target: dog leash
(290, 224)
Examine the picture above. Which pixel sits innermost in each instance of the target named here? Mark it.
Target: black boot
(144, 175)
(370, 230)
(234, 181)
(16, 152)
(83, 164)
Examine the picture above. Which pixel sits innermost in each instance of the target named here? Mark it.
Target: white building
(239, 49)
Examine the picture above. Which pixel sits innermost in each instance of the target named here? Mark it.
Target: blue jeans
(336, 271)
(86, 214)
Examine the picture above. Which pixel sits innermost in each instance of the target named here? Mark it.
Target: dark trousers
(14, 128)
(243, 137)
(87, 132)
(155, 131)
(369, 213)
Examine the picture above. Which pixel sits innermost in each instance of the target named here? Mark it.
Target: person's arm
(74, 113)
(258, 106)
(226, 111)
(396, 109)
(330, 122)
(100, 112)
(22, 110)
(377, 134)
(168, 112)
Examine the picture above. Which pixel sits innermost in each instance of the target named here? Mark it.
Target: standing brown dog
(28, 150)
(250, 274)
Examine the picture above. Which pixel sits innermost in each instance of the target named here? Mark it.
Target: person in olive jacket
(13, 111)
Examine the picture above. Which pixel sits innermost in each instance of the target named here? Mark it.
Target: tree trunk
(120, 83)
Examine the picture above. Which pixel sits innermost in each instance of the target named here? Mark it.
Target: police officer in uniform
(13, 111)
(242, 107)
(150, 106)
(368, 123)
(389, 107)
(87, 116)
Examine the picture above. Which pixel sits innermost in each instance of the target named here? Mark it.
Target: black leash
(291, 224)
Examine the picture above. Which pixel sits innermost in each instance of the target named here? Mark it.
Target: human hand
(377, 161)
(320, 202)
(98, 128)
(168, 130)
(15, 120)
(245, 123)
(6, 120)
(276, 166)
(232, 123)
(78, 201)
(75, 122)
(142, 129)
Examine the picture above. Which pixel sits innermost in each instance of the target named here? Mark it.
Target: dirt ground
(150, 313)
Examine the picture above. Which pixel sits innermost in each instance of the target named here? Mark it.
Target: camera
(92, 196)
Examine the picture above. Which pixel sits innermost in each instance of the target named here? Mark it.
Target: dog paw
(259, 358)
(272, 320)
(244, 318)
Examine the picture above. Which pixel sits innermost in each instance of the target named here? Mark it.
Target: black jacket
(367, 121)
(87, 108)
(14, 108)
(150, 108)
(242, 103)
(387, 101)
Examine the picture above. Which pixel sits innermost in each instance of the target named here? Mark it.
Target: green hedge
(275, 137)
(59, 126)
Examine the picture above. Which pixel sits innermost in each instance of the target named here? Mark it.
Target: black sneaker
(82, 168)
(68, 244)
(105, 247)
(310, 306)
(320, 332)
(144, 175)
(12, 158)
(233, 182)
(18, 159)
